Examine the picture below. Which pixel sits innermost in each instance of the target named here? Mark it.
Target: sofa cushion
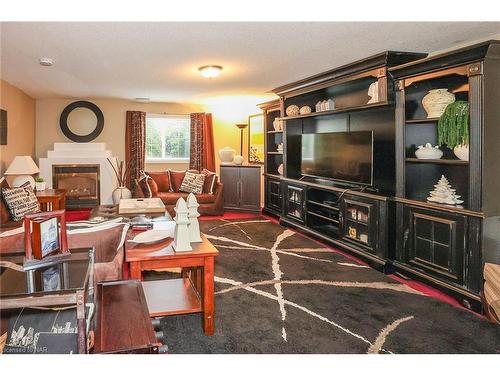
(21, 201)
(12, 241)
(192, 183)
(171, 198)
(160, 182)
(4, 210)
(210, 181)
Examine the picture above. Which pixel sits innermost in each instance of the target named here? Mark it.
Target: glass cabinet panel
(294, 202)
(357, 218)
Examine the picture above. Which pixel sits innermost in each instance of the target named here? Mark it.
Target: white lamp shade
(22, 165)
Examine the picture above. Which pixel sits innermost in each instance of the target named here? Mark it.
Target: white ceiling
(159, 60)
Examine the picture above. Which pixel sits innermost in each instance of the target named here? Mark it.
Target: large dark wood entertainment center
(390, 224)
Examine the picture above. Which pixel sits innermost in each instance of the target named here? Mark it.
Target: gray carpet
(280, 292)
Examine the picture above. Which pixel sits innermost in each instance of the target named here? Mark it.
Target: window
(167, 138)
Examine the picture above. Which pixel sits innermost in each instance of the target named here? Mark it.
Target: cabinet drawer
(435, 243)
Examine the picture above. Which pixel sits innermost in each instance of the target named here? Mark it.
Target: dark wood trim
(476, 131)
(460, 56)
(440, 207)
(387, 58)
(338, 111)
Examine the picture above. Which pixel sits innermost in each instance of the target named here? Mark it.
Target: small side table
(51, 199)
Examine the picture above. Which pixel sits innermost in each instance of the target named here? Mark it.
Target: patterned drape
(201, 153)
(135, 145)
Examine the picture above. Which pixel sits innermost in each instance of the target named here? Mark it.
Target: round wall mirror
(82, 121)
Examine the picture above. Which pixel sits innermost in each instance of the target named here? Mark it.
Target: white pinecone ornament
(443, 193)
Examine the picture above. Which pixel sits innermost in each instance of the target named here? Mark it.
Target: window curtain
(201, 153)
(135, 145)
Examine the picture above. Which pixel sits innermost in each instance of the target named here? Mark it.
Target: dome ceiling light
(210, 71)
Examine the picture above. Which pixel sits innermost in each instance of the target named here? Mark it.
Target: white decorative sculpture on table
(193, 214)
(181, 234)
(443, 193)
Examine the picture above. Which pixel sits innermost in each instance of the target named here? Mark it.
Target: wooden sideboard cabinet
(241, 187)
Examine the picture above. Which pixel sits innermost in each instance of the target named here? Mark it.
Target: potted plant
(121, 173)
(39, 184)
(453, 129)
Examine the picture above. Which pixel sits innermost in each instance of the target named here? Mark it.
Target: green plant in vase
(39, 184)
(453, 129)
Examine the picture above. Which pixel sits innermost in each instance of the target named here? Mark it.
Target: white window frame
(165, 160)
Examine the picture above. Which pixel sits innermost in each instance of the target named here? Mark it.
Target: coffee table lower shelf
(171, 297)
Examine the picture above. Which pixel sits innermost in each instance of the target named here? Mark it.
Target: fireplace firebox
(81, 182)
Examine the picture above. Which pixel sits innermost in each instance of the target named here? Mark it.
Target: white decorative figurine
(428, 152)
(443, 193)
(193, 214)
(373, 93)
(181, 234)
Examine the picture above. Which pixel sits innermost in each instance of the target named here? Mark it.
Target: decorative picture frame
(256, 135)
(45, 234)
(3, 127)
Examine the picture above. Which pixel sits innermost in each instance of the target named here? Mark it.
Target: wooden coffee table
(192, 293)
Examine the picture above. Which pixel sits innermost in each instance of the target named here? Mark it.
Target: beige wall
(20, 124)
(48, 131)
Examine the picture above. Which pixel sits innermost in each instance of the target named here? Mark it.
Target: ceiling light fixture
(210, 71)
(45, 61)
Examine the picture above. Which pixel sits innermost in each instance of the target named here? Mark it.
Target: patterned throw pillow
(192, 183)
(21, 201)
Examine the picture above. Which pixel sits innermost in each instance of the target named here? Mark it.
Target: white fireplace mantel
(81, 153)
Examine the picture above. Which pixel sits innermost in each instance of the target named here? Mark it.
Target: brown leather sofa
(165, 185)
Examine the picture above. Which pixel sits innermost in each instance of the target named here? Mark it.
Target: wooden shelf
(275, 152)
(171, 297)
(438, 161)
(323, 217)
(422, 120)
(323, 205)
(275, 132)
(335, 111)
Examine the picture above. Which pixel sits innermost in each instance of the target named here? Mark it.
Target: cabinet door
(274, 195)
(435, 243)
(250, 188)
(230, 177)
(359, 222)
(294, 203)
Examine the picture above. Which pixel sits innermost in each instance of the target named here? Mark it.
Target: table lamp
(23, 167)
(241, 127)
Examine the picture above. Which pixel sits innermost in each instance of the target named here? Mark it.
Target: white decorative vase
(428, 152)
(461, 152)
(121, 192)
(436, 101)
(238, 160)
(40, 186)
(226, 155)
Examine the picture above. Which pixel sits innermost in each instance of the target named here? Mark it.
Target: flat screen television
(342, 156)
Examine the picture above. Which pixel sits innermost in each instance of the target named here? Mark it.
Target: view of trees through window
(167, 137)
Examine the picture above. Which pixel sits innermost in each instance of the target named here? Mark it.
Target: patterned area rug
(278, 291)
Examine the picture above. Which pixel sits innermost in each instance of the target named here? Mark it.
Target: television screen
(343, 156)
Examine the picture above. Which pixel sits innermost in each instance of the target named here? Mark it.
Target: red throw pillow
(210, 180)
(176, 178)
